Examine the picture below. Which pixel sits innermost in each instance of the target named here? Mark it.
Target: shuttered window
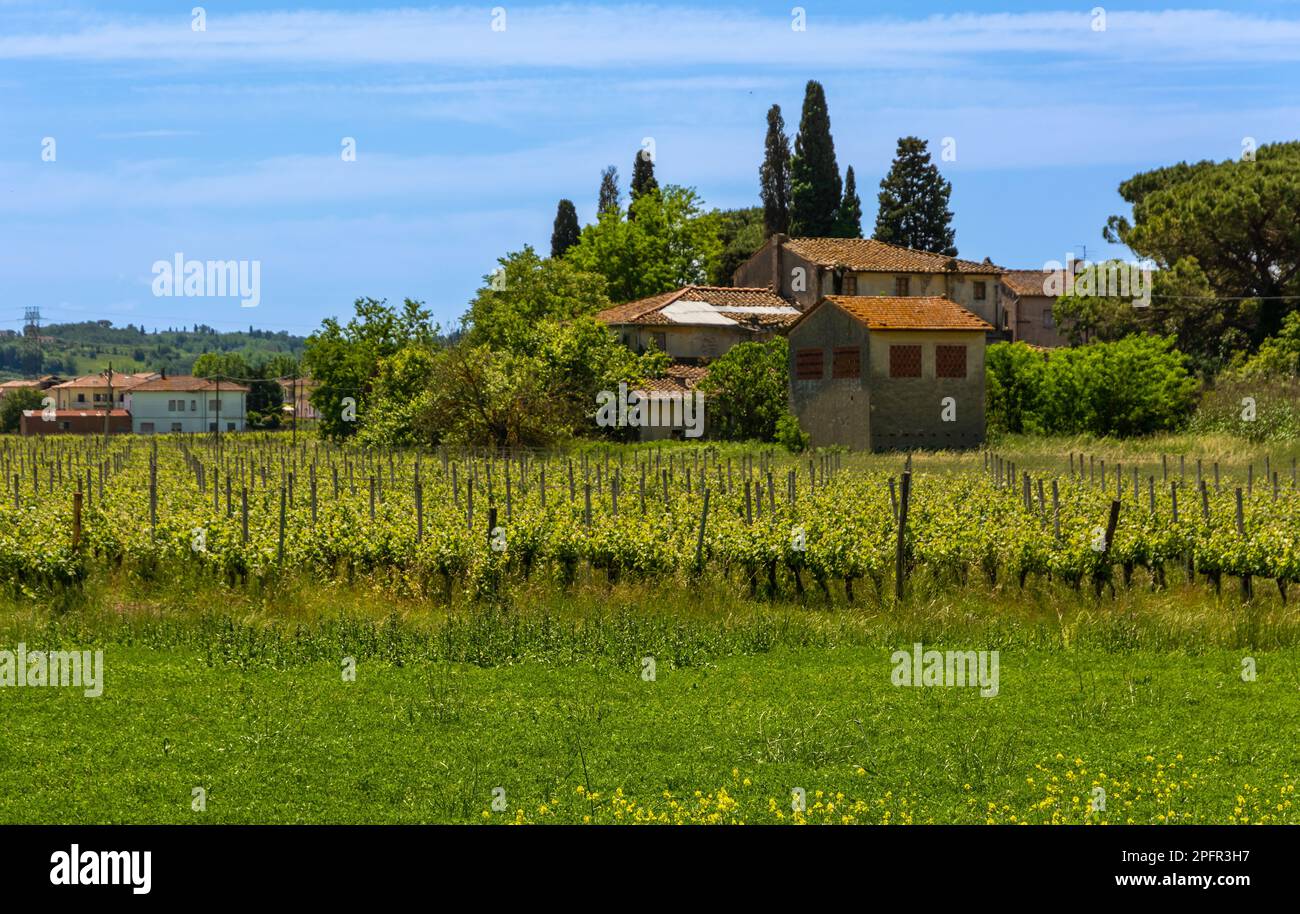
(950, 361)
(904, 361)
(808, 365)
(847, 362)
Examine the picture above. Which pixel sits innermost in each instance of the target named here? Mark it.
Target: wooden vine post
(900, 563)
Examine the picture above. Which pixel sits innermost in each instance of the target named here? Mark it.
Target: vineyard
(250, 510)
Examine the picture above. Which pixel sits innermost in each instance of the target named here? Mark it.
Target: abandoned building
(889, 373)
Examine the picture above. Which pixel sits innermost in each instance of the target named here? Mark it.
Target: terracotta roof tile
(1029, 282)
(678, 377)
(187, 383)
(887, 312)
(869, 255)
(121, 380)
(649, 310)
(77, 413)
(764, 321)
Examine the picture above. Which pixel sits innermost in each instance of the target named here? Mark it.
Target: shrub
(1133, 386)
(789, 435)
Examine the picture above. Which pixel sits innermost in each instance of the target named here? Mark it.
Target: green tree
(13, 404)
(774, 175)
(1135, 386)
(1013, 386)
(401, 384)
(222, 365)
(581, 358)
(481, 396)
(507, 311)
(643, 179)
(814, 176)
(565, 232)
(1138, 385)
(1179, 304)
(265, 396)
(850, 212)
(668, 245)
(344, 359)
(740, 232)
(913, 210)
(607, 200)
(1239, 220)
(747, 390)
(1278, 356)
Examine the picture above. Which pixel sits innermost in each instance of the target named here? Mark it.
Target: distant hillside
(84, 348)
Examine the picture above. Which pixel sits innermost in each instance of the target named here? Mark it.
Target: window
(660, 341)
(808, 365)
(846, 362)
(1048, 320)
(851, 284)
(212, 426)
(146, 428)
(902, 286)
(81, 398)
(171, 406)
(65, 425)
(176, 427)
(981, 291)
(214, 406)
(194, 406)
(904, 361)
(950, 361)
(230, 426)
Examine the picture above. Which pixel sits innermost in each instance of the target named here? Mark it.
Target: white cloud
(659, 38)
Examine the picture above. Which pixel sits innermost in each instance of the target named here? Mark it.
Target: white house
(186, 404)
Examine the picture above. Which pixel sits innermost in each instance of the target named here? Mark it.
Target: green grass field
(244, 697)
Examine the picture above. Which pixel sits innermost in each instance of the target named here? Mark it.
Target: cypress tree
(643, 178)
(565, 232)
(850, 212)
(914, 202)
(608, 200)
(814, 176)
(774, 175)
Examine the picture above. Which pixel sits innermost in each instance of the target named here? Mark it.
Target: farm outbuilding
(888, 373)
(74, 422)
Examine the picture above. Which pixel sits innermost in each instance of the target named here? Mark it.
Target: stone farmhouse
(696, 324)
(804, 270)
(887, 372)
(1029, 308)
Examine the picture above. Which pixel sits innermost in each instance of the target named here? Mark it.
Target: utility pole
(217, 425)
(32, 337)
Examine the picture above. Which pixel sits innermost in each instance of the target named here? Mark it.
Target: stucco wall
(908, 412)
(778, 267)
(875, 411)
(832, 411)
(1030, 327)
(151, 407)
(84, 397)
(957, 287)
(685, 342)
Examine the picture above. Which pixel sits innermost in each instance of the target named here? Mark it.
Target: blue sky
(225, 144)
